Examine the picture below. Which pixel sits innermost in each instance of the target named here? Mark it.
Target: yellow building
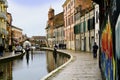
(3, 18)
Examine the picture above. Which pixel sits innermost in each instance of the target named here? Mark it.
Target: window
(71, 20)
(72, 3)
(91, 24)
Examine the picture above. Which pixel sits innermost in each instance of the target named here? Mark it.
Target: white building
(86, 27)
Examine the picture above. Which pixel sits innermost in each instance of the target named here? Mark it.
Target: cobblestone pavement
(82, 67)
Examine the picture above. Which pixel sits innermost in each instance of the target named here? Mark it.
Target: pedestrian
(95, 48)
(55, 53)
(1, 50)
(10, 48)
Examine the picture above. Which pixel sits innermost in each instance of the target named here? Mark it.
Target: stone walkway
(7, 55)
(82, 67)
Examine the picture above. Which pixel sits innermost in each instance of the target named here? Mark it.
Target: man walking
(95, 48)
(1, 50)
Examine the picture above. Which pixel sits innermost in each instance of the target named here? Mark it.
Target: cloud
(32, 19)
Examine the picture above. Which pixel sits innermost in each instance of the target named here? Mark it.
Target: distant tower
(50, 14)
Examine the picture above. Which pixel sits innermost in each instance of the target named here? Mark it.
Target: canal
(32, 66)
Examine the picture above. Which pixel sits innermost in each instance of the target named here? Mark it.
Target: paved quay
(9, 55)
(82, 67)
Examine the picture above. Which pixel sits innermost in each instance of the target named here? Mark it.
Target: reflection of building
(3, 23)
(60, 60)
(50, 61)
(6, 69)
(17, 35)
(54, 23)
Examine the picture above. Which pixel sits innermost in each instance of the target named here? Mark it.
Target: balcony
(3, 15)
(3, 31)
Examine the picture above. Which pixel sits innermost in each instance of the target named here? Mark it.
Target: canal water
(32, 66)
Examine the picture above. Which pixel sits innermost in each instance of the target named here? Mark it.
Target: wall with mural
(110, 40)
(107, 57)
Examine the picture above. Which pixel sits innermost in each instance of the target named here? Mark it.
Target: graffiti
(107, 51)
(109, 39)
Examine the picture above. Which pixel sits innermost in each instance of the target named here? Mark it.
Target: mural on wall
(110, 37)
(107, 51)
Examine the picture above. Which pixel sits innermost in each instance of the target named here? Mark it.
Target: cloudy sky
(31, 15)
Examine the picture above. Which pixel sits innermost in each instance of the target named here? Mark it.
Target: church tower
(50, 14)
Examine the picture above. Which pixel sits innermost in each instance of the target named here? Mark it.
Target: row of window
(2, 8)
(85, 26)
(69, 5)
(69, 20)
(59, 33)
(69, 35)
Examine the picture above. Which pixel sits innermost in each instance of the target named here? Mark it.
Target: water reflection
(28, 55)
(27, 58)
(55, 60)
(6, 71)
(55, 55)
(32, 55)
(32, 66)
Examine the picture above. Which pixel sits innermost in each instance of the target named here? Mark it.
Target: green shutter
(77, 29)
(84, 23)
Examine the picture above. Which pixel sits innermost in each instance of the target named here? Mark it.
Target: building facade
(49, 27)
(86, 26)
(59, 29)
(3, 23)
(54, 28)
(17, 35)
(39, 40)
(68, 8)
(9, 29)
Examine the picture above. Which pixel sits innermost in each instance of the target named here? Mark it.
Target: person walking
(1, 50)
(55, 53)
(95, 48)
